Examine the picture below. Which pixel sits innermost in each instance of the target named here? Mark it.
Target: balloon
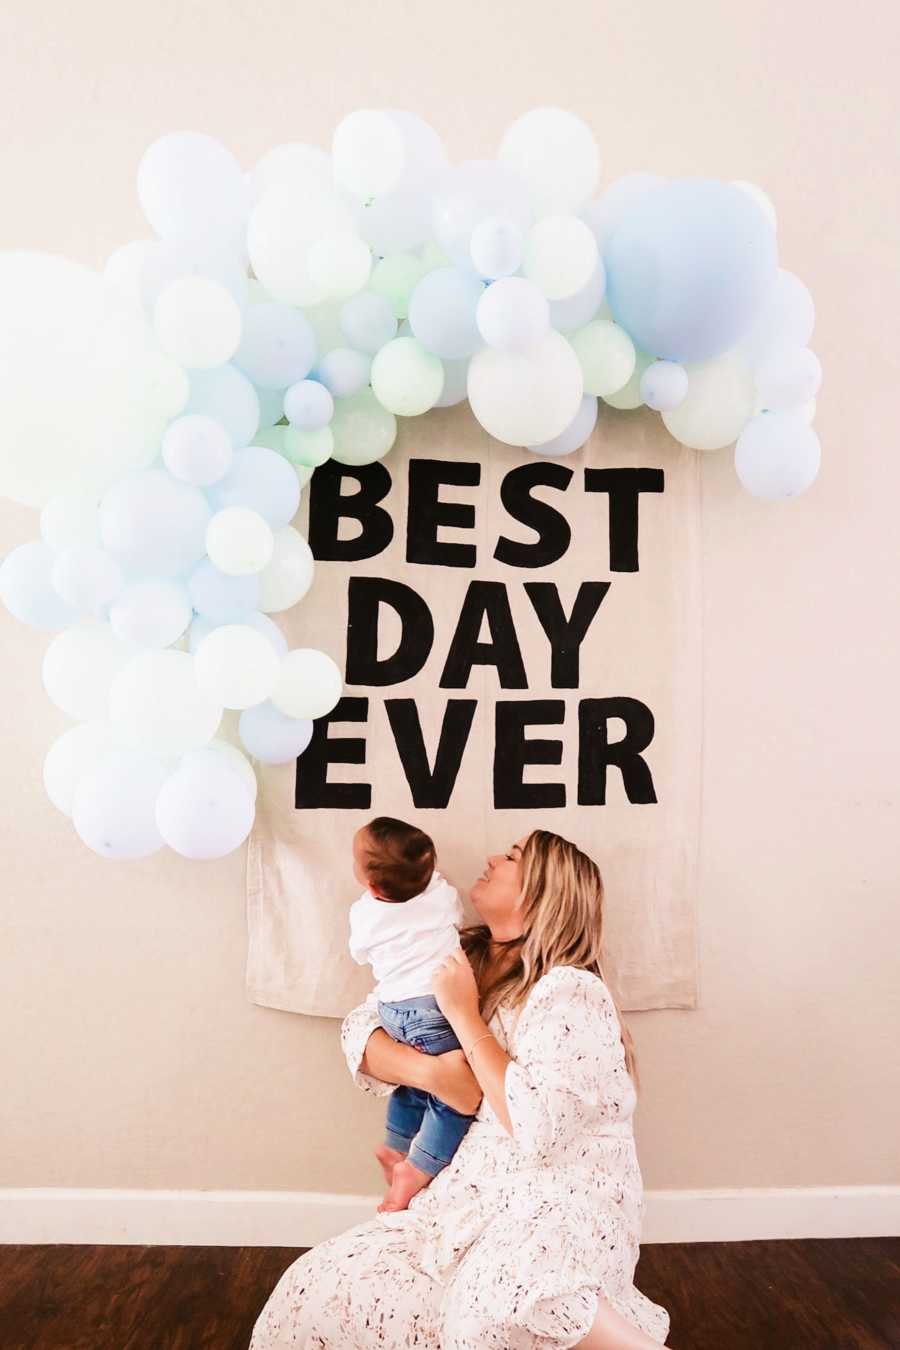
(302, 165)
(787, 318)
(222, 598)
(197, 449)
(278, 346)
(169, 260)
(271, 405)
(456, 380)
(151, 613)
(395, 278)
(368, 322)
(629, 396)
(261, 480)
(513, 315)
(78, 751)
(289, 574)
(777, 456)
(368, 153)
(603, 215)
(471, 193)
(307, 449)
(114, 805)
(344, 372)
(309, 684)
(340, 265)
(363, 430)
(27, 590)
(718, 403)
(664, 385)
(689, 267)
(272, 737)
(442, 313)
(283, 227)
(269, 629)
(79, 668)
(757, 195)
(496, 248)
(204, 810)
(406, 379)
(123, 269)
(221, 754)
(787, 377)
(71, 520)
(574, 436)
(606, 355)
(560, 256)
(576, 310)
(526, 400)
(198, 322)
(88, 579)
(188, 183)
(84, 394)
(228, 397)
(153, 524)
(400, 218)
(555, 154)
(239, 541)
(308, 405)
(236, 666)
(156, 704)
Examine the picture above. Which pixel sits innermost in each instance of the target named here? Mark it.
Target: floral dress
(510, 1245)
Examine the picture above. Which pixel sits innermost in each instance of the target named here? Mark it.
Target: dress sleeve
(569, 1069)
(356, 1029)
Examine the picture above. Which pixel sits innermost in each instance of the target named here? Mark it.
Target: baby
(404, 925)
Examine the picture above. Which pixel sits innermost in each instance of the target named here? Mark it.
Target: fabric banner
(522, 645)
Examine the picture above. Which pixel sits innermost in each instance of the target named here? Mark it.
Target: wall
(130, 1056)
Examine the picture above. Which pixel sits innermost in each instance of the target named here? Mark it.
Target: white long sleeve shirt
(405, 942)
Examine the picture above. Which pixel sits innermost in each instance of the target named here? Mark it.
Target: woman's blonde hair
(562, 920)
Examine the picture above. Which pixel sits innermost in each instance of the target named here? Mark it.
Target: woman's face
(497, 894)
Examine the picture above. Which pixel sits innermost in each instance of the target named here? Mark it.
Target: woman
(529, 1237)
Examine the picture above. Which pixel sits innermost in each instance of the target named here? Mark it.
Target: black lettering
(565, 635)
(312, 789)
(624, 487)
(431, 787)
(426, 512)
(595, 753)
(552, 528)
(485, 600)
(328, 505)
(365, 596)
(512, 751)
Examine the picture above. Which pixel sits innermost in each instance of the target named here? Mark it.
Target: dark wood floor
(838, 1295)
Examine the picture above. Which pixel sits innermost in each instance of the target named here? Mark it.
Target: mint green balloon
(629, 396)
(396, 277)
(363, 430)
(308, 449)
(606, 354)
(406, 379)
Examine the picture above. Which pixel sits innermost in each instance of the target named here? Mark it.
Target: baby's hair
(399, 858)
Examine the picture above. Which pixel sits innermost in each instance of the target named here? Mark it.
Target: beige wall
(130, 1056)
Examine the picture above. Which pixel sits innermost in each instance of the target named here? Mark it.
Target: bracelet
(485, 1037)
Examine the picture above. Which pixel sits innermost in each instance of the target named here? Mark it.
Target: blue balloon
(688, 268)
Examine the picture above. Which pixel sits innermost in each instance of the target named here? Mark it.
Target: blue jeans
(418, 1124)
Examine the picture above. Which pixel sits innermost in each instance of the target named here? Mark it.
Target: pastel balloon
(442, 313)
(368, 153)
(787, 377)
(469, 194)
(574, 436)
(602, 215)
(277, 347)
(340, 264)
(88, 579)
(114, 805)
(188, 183)
(271, 405)
(560, 256)
(294, 162)
(777, 456)
(168, 260)
(395, 278)
(496, 248)
(526, 399)
(513, 315)
(155, 703)
(269, 630)
(306, 450)
(222, 598)
(78, 751)
(757, 195)
(236, 666)
(555, 154)
(344, 372)
(407, 379)
(123, 269)
(786, 319)
(153, 524)
(239, 541)
(629, 396)
(689, 267)
(308, 405)
(197, 322)
(368, 322)
(151, 613)
(456, 381)
(260, 480)
(289, 573)
(197, 449)
(27, 590)
(606, 355)
(576, 310)
(79, 668)
(363, 429)
(664, 385)
(718, 403)
(309, 684)
(71, 520)
(283, 227)
(272, 737)
(204, 810)
(228, 397)
(222, 754)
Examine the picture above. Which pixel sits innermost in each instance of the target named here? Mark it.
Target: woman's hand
(453, 985)
(455, 1083)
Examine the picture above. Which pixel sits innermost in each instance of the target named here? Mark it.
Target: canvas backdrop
(643, 645)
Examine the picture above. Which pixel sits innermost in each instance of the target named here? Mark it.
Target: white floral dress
(510, 1245)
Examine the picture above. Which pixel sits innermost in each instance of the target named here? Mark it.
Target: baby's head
(393, 859)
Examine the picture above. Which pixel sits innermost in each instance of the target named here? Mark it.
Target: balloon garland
(165, 416)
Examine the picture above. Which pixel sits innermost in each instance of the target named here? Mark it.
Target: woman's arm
(489, 1061)
(447, 1076)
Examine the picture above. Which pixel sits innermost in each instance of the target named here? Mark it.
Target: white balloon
(156, 704)
(114, 805)
(151, 613)
(407, 379)
(283, 227)
(197, 322)
(197, 449)
(606, 354)
(664, 385)
(297, 163)
(204, 810)
(530, 399)
(368, 153)
(88, 579)
(169, 260)
(777, 456)
(470, 193)
(496, 248)
(221, 598)
(442, 313)
(277, 347)
(79, 668)
(555, 153)
(340, 265)
(368, 322)
(718, 403)
(560, 256)
(763, 201)
(239, 541)
(236, 666)
(188, 183)
(513, 315)
(289, 573)
(154, 525)
(123, 269)
(344, 372)
(263, 481)
(575, 434)
(227, 396)
(309, 405)
(787, 377)
(27, 590)
(456, 381)
(787, 316)
(272, 737)
(363, 430)
(78, 751)
(270, 630)
(71, 520)
(566, 316)
(309, 684)
(220, 754)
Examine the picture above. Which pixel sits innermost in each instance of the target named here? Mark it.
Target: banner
(521, 641)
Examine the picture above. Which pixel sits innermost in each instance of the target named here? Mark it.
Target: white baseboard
(305, 1218)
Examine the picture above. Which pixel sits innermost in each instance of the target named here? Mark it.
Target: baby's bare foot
(406, 1182)
(388, 1159)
